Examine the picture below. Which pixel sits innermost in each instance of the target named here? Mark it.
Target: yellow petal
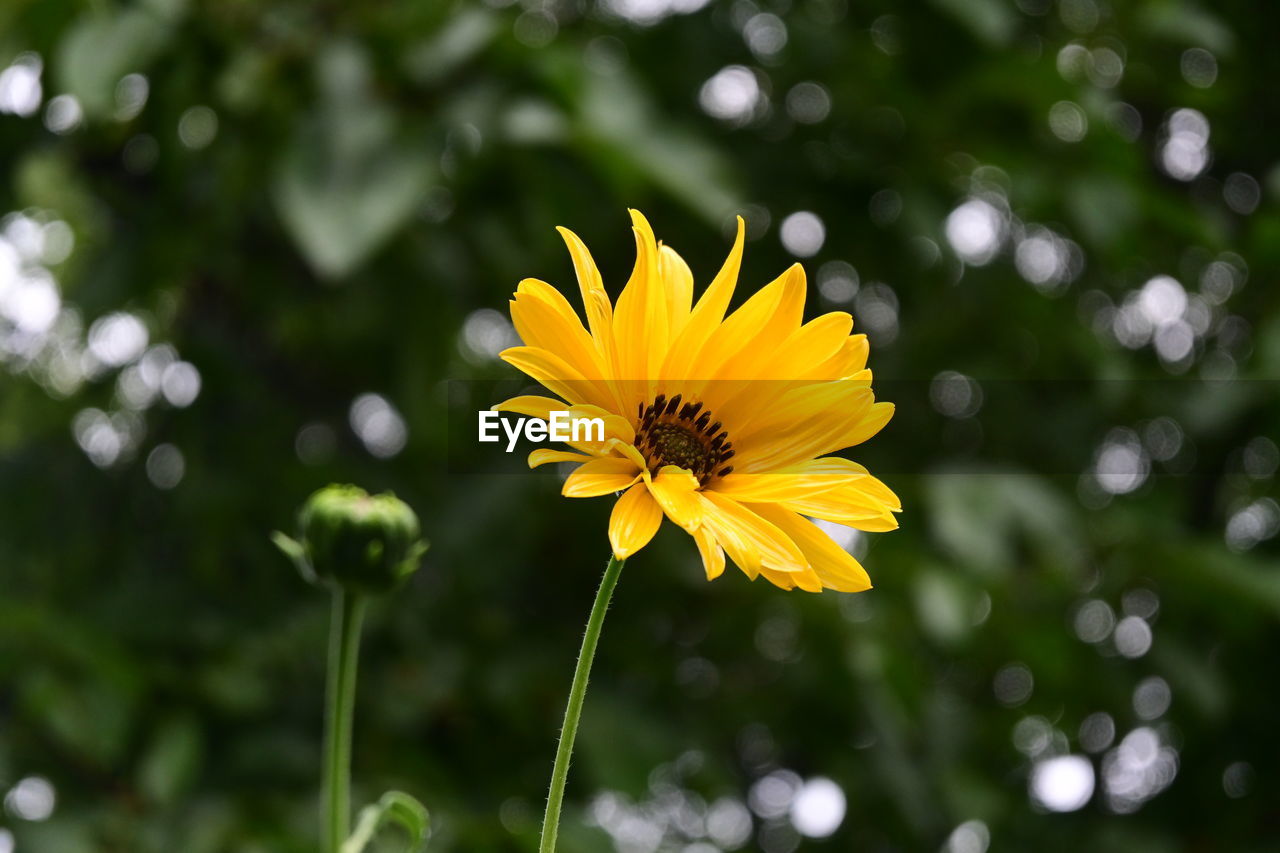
(807, 408)
(880, 524)
(600, 477)
(677, 282)
(630, 452)
(835, 567)
(825, 432)
(675, 490)
(874, 422)
(615, 426)
(749, 339)
(712, 553)
(872, 486)
(807, 580)
(815, 342)
(544, 455)
(817, 433)
(594, 297)
(805, 423)
(798, 482)
(640, 321)
(635, 519)
(851, 358)
(755, 325)
(556, 375)
(532, 405)
(751, 542)
(791, 365)
(706, 315)
(865, 503)
(543, 318)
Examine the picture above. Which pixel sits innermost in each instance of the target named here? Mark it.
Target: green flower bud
(365, 543)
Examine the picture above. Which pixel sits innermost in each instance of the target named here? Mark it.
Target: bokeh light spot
(803, 234)
(1063, 783)
(818, 808)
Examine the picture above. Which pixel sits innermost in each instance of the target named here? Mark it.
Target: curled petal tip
(641, 226)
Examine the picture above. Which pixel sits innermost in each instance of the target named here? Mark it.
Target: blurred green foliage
(303, 203)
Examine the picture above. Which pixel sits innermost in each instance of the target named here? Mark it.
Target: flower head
(365, 543)
(721, 424)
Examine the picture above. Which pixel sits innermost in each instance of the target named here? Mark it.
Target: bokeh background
(246, 247)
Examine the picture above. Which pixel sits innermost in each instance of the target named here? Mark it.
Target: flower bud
(365, 543)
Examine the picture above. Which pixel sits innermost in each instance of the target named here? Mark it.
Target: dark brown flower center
(672, 433)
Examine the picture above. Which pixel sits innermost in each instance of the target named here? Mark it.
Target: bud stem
(573, 711)
(344, 650)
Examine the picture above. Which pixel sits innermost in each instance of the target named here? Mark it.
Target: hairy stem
(573, 711)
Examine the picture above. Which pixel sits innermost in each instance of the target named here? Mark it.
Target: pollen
(672, 432)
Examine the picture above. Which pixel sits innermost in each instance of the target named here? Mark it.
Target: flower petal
(827, 432)
(557, 376)
(640, 321)
(806, 580)
(864, 503)
(544, 318)
(677, 282)
(851, 358)
(798, 482)
(816, 342)
(835, 567)
(595, 300)
(675, 490)
(755, 330)
(870, 425)
(634, 520)
(815, 407)
(629, 450)
(752, 335)
(813, 343)
(752, 542)
(531, 405)
(712, 553)
(706, 315)
(600, 477)
(544, 455)
(615, 426)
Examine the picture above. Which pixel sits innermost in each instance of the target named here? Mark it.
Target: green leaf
(172, 760)
(617, 113)
(465, 35)
(990, 20)
(1185, 23)
(293, 549)
(395, 807)
(351, 177)
(102, 48)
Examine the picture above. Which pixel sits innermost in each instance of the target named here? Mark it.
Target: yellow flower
(719, 423)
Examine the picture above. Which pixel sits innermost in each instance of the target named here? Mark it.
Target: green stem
(573, 711)
(344, 650)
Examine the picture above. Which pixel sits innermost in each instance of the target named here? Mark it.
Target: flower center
(683, 435)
